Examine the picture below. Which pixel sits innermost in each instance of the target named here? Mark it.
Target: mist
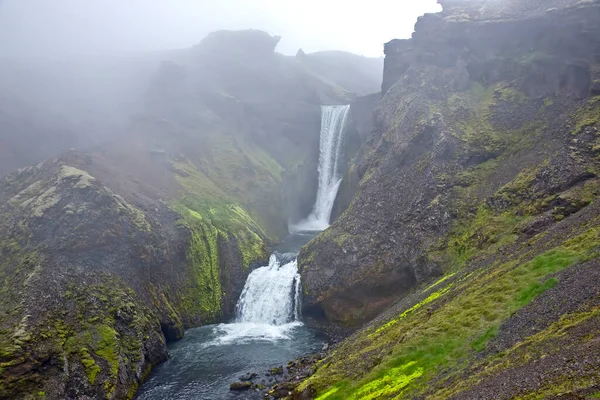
(56, 29)
(75, 73)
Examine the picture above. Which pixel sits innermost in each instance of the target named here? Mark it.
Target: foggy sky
(59, 28)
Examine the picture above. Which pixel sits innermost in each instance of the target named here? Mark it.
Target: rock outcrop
(475, 216)
(459, 95)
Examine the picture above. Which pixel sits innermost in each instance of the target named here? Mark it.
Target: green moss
(485, 231)
(91, 368)
(107, 348)
(479, 137)
(389, 384)
(459, 325)
(542, 343)
(212, 216)
(480, 343)
(429, 299)
(329, 393)
(203, 259)
(587, 115)
(82, 178)
(532, 291)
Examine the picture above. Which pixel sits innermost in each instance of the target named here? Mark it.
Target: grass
(480, 343)
(463, 323)
(588, 115)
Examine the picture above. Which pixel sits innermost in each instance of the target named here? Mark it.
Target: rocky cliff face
(474, 213)
(106, 255)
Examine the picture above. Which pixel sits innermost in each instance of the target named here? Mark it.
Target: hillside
(110, 252)
(470, 247)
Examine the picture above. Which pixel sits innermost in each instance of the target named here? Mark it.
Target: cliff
(470, 247)
(108, 254)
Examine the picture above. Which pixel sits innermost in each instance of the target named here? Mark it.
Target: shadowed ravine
(267, 330)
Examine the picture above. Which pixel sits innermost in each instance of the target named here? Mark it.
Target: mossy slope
(474, 226)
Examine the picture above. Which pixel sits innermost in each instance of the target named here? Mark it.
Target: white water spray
(333, 125)
(270, 295)
(269, 306)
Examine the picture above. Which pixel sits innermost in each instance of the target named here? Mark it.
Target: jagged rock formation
(474, 225)
(106, 255)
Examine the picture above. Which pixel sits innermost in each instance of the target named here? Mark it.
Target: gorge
(268, 312)
(257, 225)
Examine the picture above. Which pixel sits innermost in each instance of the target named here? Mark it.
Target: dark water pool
(209, 359)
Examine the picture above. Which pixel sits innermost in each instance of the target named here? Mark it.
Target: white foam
(246, 332)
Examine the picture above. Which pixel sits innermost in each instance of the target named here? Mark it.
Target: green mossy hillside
(456, 318)
(211, 216)
(519, 191)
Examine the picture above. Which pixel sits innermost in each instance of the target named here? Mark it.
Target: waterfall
(271, 294)
(269, 306)
(333, 125)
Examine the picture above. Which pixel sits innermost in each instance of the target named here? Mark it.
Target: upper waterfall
(333, 125)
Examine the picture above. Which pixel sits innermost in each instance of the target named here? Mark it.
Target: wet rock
(276, 371)
(240, 386)
(248, 377)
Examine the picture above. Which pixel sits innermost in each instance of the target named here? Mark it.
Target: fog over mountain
(42, 28)
(299, 199)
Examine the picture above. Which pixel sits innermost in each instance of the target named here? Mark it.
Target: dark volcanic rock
(459, 96)
(248, 377)
(239, 386)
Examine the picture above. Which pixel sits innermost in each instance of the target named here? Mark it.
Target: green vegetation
(540, 344)
(107, 349)
(480, 343)
(92, 369)
(480, 138)
(420, 342)
(587, 115)
(399, 358)
(211, 216)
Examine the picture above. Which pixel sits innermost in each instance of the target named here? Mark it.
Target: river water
(267, 332)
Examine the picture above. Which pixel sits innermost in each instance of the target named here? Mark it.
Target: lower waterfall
(266, 332)
(269, 306)
(271, 294)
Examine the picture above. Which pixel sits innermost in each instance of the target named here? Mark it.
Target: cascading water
(266, 333)
(271, 294)
(333, 125)
(269, 306)
(267, 330)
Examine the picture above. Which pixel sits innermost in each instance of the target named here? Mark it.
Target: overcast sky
(55, 28)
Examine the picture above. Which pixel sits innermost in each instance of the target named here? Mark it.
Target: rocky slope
(108, 254)
(475, 223)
